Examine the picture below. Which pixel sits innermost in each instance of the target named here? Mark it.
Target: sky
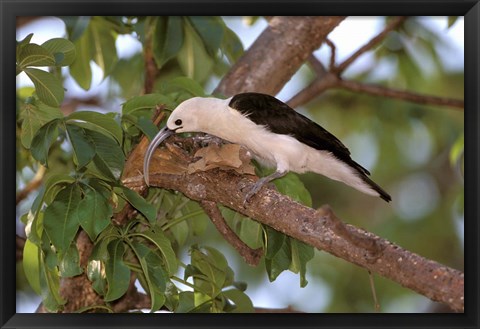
(348, 37)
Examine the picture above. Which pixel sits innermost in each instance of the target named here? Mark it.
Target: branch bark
(321, 229)
(277, 54)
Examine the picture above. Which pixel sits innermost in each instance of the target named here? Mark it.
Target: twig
(317, 66)
(400, 94)
(251, 256)
(333, 49)
(151, 69)
(397, 21)
(318, 86)
(32, 185)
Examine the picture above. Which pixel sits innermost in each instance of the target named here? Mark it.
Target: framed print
(302, 164)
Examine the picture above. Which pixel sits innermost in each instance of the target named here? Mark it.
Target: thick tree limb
(320, 229)
(277, 54)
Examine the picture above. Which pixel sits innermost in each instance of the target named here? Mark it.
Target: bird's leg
(261, 182)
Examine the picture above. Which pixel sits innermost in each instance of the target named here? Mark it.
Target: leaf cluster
(84, 154)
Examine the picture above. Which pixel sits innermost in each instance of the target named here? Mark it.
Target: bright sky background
(348, 37)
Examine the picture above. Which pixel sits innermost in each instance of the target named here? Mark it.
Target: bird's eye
(178, 122)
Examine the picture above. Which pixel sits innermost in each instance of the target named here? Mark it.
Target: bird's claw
(249, 196)
(258, 185)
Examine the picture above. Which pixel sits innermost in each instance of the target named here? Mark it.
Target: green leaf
(94, 213)
(54, 183)
(186, 302)
(139, 203)
(31, 265)
(103, 43)
(49, 88)
(232, 46)
(213, 266)
(50, 283)
(163, 244)
(274, 242)
(147, 127)
(49, 253)
(118, 274)
(69, 265)
(25, 40)
(278, 256)
(457, 150)
(83, 146)
(96, 274)
(452, 20)
(80, 68)
(34, 224)
(292, 186)
(187, 84)
(301, 254)
(34, 116)
(167, 39)
(128, 73)
(211, 30)
(109, 158)
(61, 46)
(60, 221)
(76, 25)
(146, 102)
(42, 141)
(35, 55)
(154, 274)
(97, 121)
(242, 302)
(193, 58)
(248, 230)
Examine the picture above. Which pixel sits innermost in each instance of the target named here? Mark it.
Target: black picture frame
(9, 9)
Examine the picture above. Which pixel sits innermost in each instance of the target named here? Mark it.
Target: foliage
(85, 152)
(86, 194)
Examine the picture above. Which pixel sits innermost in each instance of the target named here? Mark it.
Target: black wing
(280, 118)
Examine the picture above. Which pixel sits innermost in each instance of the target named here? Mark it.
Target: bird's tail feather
(384, 195)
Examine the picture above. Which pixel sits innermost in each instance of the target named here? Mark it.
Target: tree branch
(277, 54)
(396, 22)
(377, 90)
(251, 256)
(332, 78)
(32, 185)
(320, 229)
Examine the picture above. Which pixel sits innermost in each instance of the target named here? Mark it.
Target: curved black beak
(157, 140)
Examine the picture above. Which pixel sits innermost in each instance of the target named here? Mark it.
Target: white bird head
(193, 115)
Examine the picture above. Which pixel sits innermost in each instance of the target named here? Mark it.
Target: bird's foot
(258, 185)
